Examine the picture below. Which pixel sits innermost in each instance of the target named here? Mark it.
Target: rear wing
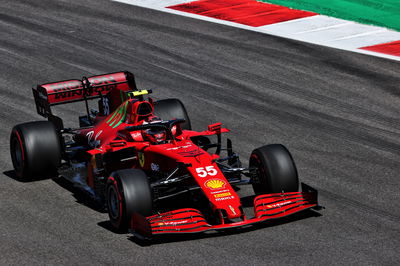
(74, 90)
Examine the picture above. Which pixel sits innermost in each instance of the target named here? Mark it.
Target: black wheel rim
(113, 203)
(17, 154)
(255, 162)
(260, 182)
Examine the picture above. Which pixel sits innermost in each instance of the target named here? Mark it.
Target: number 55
(204, 171)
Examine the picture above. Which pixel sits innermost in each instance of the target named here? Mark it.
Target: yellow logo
(221, 195)
(141, 159)
(215, 184)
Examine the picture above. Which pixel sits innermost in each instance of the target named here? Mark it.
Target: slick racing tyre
(127, 192)
(275, 170)
(168, 109)
(35, 149)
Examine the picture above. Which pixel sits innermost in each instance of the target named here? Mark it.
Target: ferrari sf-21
(135, 155)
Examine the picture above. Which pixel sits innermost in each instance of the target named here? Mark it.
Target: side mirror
(215, 127)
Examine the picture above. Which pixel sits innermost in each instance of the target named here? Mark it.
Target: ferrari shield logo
(141, 159)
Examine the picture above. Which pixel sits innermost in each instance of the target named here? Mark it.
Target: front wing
(266, 207)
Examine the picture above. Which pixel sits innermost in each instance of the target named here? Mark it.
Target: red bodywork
(74, 89)
(266, 207)
(110, 134)
(206, 174)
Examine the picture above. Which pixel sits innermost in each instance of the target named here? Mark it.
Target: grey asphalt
(337, 112)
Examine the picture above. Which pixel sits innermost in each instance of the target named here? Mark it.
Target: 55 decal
(205, 171)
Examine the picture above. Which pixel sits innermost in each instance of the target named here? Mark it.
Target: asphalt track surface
(337, 112)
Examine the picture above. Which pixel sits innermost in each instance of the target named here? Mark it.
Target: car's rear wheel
(275, 170)
(169, 109)
(127, 192)
(35, 149)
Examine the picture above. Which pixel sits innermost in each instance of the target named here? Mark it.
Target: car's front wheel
(275, 170)
(127, 192)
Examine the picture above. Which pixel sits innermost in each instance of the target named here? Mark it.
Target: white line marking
(360, 35)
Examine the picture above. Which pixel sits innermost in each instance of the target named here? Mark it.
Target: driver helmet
(155, 135)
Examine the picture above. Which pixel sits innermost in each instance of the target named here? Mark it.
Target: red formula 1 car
(135, 155)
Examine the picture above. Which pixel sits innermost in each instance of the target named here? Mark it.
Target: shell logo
(215, 184)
